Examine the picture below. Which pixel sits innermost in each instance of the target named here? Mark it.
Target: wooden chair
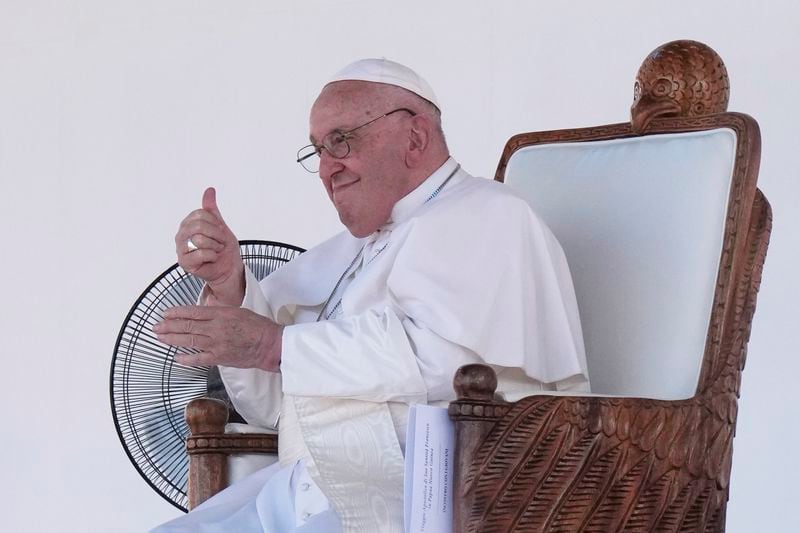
(666, 235)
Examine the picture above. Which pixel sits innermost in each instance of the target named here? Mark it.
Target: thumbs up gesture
(207, 248)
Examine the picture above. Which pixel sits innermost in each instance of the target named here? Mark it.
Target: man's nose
(328, 165)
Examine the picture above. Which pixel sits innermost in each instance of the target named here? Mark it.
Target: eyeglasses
(335, 143)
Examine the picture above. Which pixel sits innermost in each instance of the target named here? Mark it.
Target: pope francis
(437, 269)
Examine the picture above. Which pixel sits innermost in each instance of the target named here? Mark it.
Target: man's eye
(337, 139)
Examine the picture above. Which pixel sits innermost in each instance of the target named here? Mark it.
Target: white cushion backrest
(641, 221)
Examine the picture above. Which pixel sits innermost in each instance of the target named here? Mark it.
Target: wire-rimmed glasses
(335, 143)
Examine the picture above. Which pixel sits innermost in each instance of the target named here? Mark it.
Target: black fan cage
(149, 391)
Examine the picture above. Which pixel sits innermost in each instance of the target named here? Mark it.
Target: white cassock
(463, 272)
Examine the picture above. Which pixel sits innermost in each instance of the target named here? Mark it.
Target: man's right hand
(216, 258)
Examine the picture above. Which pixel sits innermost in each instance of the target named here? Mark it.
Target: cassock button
(305, 486)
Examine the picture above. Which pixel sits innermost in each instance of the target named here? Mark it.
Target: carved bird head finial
(680, 78)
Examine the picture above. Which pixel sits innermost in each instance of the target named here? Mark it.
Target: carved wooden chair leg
(209, 446)
(208, 468)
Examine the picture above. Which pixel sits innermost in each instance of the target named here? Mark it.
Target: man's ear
(419, 137)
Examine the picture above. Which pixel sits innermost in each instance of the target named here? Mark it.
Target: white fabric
(389, 72)
(241, 465)
(264, 501)
(641, 221)
(471, 271)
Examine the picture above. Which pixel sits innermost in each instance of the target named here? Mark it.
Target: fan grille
(149, 391)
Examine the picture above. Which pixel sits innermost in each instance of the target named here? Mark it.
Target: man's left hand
(227, 336)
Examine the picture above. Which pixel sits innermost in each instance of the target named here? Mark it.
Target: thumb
(210, 201)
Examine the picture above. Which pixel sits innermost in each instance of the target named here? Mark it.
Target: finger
(203, 214)
(194, 260)
(212, 229)
(210, 202)
(178, 311)
(194, 312)
(204, 242)
(198, 359)
(176, 326)
(185, 340)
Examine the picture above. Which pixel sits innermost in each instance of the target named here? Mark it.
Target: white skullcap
(389, 72)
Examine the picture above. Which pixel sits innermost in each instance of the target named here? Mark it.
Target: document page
(429, 460)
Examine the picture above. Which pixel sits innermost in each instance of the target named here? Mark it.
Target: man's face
(364, 185)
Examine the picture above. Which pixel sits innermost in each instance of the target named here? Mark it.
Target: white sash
(357, 461)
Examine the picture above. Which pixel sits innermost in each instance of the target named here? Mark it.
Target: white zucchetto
(389, 72)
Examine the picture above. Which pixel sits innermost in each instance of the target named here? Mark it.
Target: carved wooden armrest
(568, 463)
(208, 447)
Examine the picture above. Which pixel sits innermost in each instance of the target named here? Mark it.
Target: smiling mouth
(341, 185)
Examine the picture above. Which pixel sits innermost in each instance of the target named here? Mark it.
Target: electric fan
(149, 391)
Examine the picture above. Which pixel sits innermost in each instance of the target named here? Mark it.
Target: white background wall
(115, 115)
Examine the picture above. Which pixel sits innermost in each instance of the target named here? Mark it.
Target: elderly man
(437, 269)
